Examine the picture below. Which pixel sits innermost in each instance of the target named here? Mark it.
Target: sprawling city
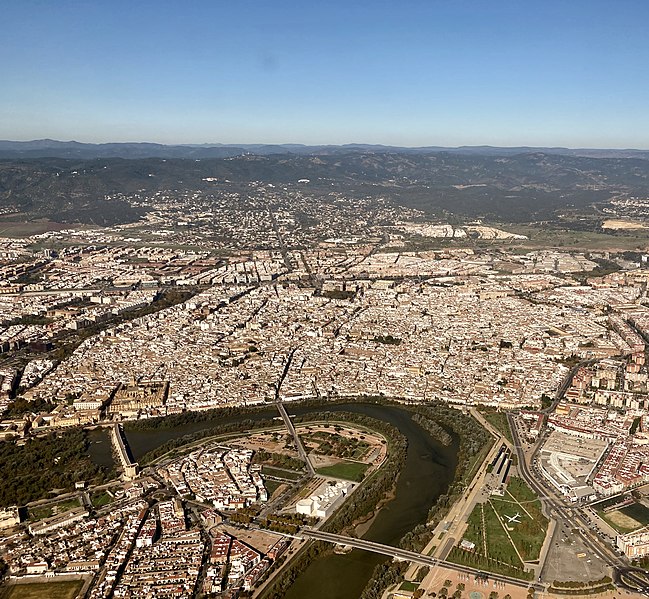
(252, 389)
(324, 300)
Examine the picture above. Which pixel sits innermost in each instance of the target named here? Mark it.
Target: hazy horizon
(450, 74)
(316, 144)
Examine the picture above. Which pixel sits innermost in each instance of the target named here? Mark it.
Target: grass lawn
(280, 473)
(102, 499)
(409, 586)
(353, 471)
(68, 589)
(500, 548)
(40, 512)
(474, 560)
(528, 535)
(627, 518)
(45, 511)
(272, 486)
(499, 421)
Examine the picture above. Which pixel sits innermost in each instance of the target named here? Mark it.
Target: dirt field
(622, 224)
(68, 589)
(260, 540)
(274, 442)
(622, 521)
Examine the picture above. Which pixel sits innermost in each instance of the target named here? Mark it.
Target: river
(427, 473)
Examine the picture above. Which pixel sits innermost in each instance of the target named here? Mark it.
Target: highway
(409, 556)
(570, 515)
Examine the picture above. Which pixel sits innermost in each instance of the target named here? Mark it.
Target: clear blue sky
(429, 72)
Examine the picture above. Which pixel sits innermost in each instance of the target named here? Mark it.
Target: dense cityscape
(116, 331)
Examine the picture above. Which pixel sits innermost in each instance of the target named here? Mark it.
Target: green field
(280, 473)
(45, 511)
(502, 545)
(68, 589)
(499, 421)
(101, 499)
(475, 560)
(354, 471)
(272, 486)
(628, 518)
(528, 536)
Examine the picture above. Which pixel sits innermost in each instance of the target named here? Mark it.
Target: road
(298, 442)
(405, 555)
(287, 420)
(571, 516)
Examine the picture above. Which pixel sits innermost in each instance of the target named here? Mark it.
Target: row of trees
(227, 413)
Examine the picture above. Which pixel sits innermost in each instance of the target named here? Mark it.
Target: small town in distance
(243, 385)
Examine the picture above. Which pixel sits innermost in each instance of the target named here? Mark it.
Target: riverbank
(404, 502)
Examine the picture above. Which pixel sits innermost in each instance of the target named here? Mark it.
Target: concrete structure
(634, 544)
(130, 468)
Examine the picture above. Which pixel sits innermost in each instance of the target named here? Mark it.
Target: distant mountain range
(523, 187)
(51, 148)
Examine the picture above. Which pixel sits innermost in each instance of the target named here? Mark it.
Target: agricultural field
(68, 589)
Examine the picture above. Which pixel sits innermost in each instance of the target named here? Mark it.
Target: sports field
(627, 518)
(67, 589)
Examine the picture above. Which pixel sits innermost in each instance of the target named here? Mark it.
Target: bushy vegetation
(20, 406)
(177, 420)
(278, 460)
(499, 421)
(336, 445)
(384, 576)
(436, 430)
(288, 575)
